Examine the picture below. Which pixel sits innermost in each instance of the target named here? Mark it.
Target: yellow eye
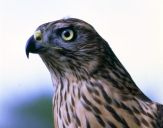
(38, 35)
(67, 34)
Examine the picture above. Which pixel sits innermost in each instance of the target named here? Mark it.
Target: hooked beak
(32, 46)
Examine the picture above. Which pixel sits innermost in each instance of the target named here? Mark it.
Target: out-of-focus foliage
(31, 113)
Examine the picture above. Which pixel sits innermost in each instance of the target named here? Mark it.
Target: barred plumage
(93, 89)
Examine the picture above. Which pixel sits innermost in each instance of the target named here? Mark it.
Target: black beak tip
(27, 53)
(29, 46)
(33, 47)
(27, 49)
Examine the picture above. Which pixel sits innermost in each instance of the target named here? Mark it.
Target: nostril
(38, 38)
(38, 35)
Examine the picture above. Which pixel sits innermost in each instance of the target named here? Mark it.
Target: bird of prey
(92, 87)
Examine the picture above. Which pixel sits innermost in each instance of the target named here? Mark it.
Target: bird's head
(67, 45)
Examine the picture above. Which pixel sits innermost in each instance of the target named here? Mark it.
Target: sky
(133, 29)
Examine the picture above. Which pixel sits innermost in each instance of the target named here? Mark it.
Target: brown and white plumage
(93, 89)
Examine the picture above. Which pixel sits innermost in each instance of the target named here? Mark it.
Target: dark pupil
(66, 33)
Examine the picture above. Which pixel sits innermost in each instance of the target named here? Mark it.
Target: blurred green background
(35, 112)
